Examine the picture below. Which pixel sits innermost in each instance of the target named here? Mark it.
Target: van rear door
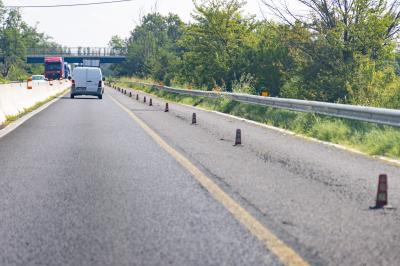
(93, 76)
(79, 76)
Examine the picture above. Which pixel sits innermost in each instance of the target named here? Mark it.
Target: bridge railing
(76, 51)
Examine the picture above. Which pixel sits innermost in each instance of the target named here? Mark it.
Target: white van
(87, 81)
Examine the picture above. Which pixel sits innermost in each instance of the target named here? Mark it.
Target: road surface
(83, 183)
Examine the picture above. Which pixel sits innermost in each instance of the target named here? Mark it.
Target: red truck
(54, 68)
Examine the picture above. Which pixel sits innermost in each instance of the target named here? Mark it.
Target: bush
(371, 87)
(245, 84)
(331, 130)
(385, 141)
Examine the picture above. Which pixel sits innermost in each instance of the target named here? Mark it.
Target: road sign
(91, 62)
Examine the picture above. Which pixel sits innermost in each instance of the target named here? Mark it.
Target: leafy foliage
(214, 46)
(341, 51)
(152, 47)
(15, 38)
(349, 47)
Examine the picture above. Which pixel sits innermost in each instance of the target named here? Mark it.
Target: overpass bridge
(75, 55)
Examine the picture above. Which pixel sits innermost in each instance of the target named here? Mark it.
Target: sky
(94, 25)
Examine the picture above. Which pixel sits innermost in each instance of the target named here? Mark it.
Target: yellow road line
(286, 254)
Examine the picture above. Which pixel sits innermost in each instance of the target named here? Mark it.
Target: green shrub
(383, 142)
(333, 131)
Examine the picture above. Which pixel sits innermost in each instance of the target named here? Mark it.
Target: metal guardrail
(362, 113)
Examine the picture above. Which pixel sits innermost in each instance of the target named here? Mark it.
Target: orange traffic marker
(29, 84)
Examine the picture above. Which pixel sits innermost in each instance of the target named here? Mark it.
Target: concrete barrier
(15, 98)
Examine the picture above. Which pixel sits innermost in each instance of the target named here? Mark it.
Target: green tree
(344, 35)
(11, 42)
(17, 39)
(269, 57)
(214, 44)
(152, 49)
(117, 44)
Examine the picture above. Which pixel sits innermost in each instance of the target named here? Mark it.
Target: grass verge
(366, 137)
(12, 118)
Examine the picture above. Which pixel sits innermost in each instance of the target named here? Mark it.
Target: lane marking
(285, 253)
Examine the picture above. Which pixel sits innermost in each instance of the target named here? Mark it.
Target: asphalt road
(82, 184)
(313, 196)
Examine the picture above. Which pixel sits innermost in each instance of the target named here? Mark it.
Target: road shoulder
(7, 129)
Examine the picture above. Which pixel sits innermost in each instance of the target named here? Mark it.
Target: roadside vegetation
(366, 137)
(337, 51)
(15, 38)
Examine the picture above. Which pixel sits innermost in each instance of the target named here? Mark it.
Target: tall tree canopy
(152, 47)
(15, 38)
(344, 41)
(214, 44)
(337, 50)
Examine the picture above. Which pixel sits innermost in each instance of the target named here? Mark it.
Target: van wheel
(100, 96)
(72, 96)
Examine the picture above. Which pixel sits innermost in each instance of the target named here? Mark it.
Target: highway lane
(313, 196)
(82, 184)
